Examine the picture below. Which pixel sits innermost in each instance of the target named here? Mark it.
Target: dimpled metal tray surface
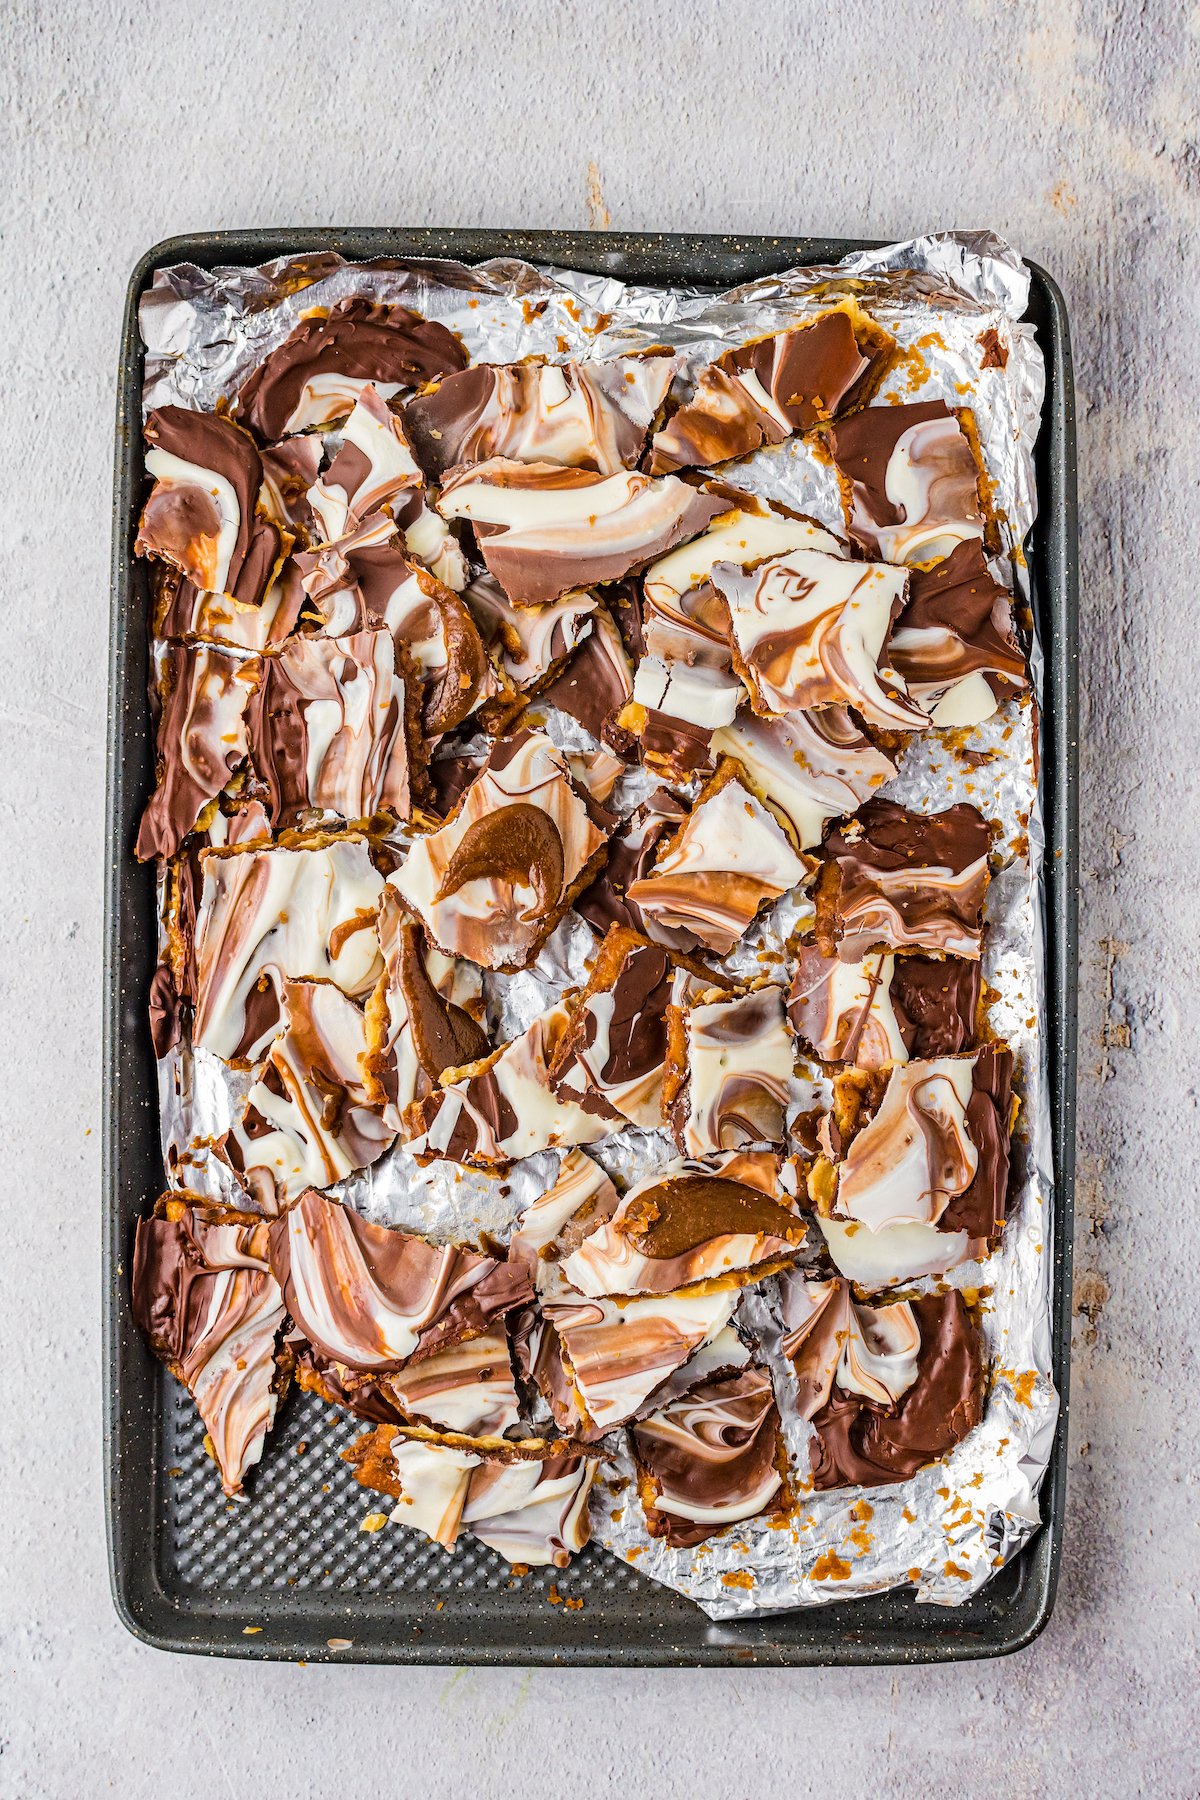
(290, 1574)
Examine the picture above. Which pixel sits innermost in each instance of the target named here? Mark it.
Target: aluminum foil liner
(955, 1523)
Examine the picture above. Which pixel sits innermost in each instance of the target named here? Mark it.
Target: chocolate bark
(897, 879)
(709, 1459)
(771, 387)
(884, 1009)
(591, 415)
(954, 643)
(910, 480)
(202, 512)
(543, 530)
(314, 376)
(200, 741)
(205, 1297)
(374, 1299)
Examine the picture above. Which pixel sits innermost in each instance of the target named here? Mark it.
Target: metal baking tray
(290, 1574)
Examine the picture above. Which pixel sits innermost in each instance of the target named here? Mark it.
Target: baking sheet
(205, 329)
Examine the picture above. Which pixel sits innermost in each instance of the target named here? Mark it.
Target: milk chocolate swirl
(686, 1224)
(208, 1303)
(769, 388)
(736, 1064)
(709, 1459)
(885, 1008)
(373, 1298)
(201, 513)
(333, 730)
(810, 629)
(314, 376)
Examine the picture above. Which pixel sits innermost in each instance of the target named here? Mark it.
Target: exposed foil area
(946, 1531)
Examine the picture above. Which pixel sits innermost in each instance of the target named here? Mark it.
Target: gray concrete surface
(1069, 125)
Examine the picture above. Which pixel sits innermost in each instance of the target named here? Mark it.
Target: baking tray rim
(145, 1606)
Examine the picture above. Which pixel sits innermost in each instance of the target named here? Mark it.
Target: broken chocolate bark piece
(728, 859)
(809, 768)
(710, 1458)
(924, 1142)
(423, 1017)
(887, 1388)
(690, 1223)
(910, 480)
(923, 1151)
(468, 1387)
(315, 376)
(372, 1299)
(884, 1009)
(334, 730)
(543, 530)
(494, 881)
(270, 914)
(205, 1297)
(200, 740)
(598, 1361)
(530, 1507)
(429, 622)
(728, 1070)
(610, 1057)
(954, 643)
(202, 514)
(589, 415)
(289, 470)
(502, 1108)
(894, 879)
(771, 387)
(678, 588)
(375, 479)
(373, 471)
(811, 630)
(308, 1120)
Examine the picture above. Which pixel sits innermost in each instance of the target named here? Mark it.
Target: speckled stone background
(1070, 126)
